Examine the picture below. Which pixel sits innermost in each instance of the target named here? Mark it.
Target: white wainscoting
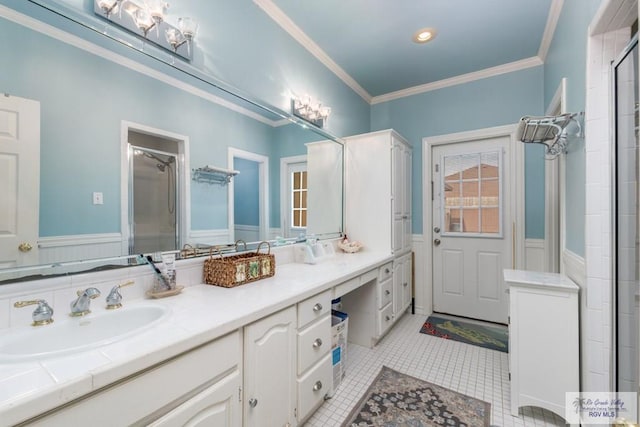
(209, 237)
(81, 246)
(534, 254)
(423, 297)
(574, 267)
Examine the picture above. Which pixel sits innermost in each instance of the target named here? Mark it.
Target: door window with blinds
(471, 194)
(299, 199)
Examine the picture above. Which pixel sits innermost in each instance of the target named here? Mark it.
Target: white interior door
(472, 228)
(19, 181)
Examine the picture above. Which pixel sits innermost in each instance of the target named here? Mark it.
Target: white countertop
(537, 279)
(198, 315)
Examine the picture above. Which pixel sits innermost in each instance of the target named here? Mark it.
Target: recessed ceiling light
(424, 35)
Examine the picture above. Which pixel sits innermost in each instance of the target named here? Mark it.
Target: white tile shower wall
(596, 334)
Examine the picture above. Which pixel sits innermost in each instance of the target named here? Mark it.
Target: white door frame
(554, 231)
(517, 197)
(285, 220)
(184, 201)
(263, 176)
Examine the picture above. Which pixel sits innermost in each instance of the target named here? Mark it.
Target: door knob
(436, 229)
(436, 242)
(253, 402)
(24, 247)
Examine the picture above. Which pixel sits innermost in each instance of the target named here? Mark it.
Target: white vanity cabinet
(270, 370)
(378, 213)
(378, 191)
(543, 339)
(202, 384)
(401, 284)
(315, 376)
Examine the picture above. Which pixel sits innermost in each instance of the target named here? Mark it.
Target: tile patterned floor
(467, 369)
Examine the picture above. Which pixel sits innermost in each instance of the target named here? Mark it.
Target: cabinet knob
(387, 318)
(317, 343)
(386, 270)
(253, 402)
(317, 307)
(317, 386)
(387, 292)
(405, 284)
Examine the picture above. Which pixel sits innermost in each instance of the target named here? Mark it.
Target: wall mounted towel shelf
(213, 175)
(550, 131)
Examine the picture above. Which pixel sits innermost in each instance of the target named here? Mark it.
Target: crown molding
(522, 64)
(72, 40)
(275, 13)
(550, 28)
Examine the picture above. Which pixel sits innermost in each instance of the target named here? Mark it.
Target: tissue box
(339, 328)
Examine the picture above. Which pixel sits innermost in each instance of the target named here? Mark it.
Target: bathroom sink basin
(73, 335)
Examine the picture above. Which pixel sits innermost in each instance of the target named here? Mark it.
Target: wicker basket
(235, 270)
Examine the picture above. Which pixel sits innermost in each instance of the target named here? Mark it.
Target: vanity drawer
(314, 308)
(385, 319)
(313, 386)
(385, 271)
(313, 343)
(385, 293)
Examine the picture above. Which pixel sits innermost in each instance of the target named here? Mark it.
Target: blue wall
(567, 57)
(240, 45)
(489, 102)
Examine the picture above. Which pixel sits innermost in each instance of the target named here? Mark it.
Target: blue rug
(491, 337)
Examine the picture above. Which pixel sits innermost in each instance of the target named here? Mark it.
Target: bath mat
(491, 337)
(396, 399)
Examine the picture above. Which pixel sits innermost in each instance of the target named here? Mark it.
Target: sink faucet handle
(42, 315)
(114, 299)
(92, 293)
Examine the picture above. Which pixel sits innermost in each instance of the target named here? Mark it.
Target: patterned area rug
(398, 400)
(491, 337)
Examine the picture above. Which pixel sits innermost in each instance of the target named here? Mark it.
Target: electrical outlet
(98, 198)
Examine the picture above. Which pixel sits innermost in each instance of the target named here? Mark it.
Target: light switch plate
(98, 198)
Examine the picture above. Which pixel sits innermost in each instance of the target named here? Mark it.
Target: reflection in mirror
(119, 132)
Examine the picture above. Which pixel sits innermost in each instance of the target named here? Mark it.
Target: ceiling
(368, 43)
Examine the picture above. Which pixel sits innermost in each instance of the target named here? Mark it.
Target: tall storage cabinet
(378, 191)
(378, 212)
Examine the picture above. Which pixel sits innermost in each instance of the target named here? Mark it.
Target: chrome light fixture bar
(141, 17)
(312, 111)
(551, 131)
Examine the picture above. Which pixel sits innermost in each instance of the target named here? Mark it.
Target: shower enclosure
(153, 200)
(626, 215)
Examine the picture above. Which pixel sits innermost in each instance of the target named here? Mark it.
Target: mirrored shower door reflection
(627, 290)
(153, 201)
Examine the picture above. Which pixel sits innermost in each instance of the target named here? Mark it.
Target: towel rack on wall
(213, 175)
(550, 131)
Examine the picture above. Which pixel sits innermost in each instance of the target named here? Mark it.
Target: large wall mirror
(124, 152)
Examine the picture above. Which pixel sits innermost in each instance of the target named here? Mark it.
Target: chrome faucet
(114, 299)
(42, 315)
(80, 306)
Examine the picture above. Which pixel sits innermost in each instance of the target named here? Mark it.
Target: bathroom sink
(73, 335)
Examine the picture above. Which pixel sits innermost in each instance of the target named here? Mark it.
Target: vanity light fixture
(308, 109)
(424, 35)
(143, 16)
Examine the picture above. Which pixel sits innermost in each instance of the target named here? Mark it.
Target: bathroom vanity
(217, 356)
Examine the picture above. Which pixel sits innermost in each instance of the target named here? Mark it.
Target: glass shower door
(626, 274)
